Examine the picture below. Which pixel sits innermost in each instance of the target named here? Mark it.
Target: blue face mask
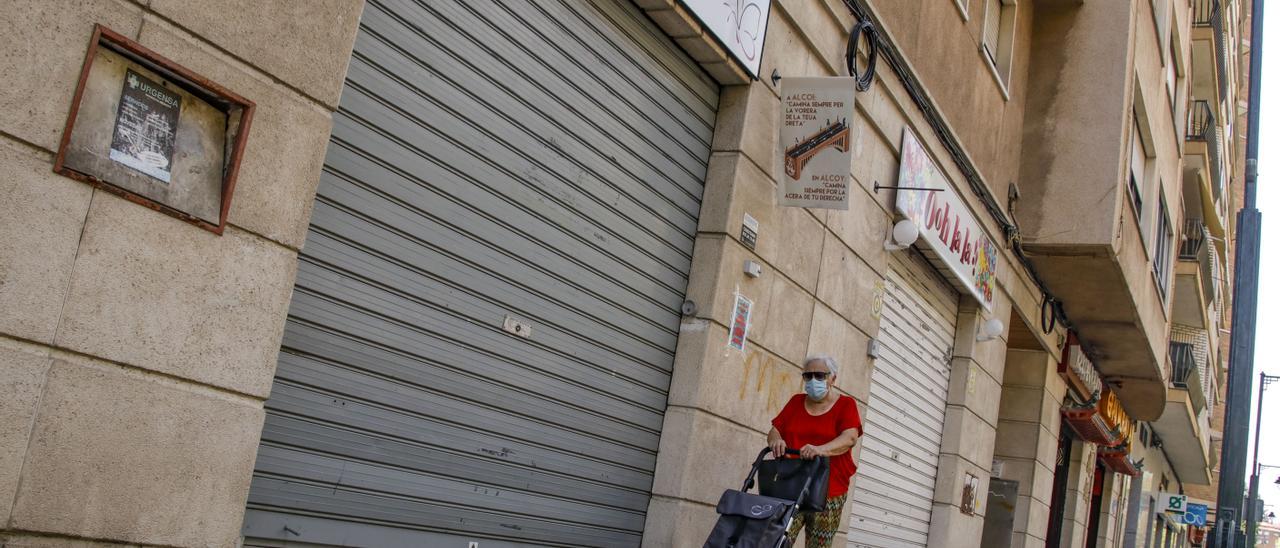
(815, 388)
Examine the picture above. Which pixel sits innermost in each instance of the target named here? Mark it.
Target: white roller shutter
(893, 492)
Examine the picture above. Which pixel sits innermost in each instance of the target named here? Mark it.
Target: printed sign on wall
(146, 126)
(1196, 515)
(1172, 503)
(741, 323)
(815, 144)
(739, 25)
(948, 227)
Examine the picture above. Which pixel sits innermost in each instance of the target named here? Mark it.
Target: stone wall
(822, 273)
(135, 349)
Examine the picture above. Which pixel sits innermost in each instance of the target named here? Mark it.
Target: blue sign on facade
(1196, 514)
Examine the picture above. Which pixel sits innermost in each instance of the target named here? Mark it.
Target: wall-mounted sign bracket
(878, 187)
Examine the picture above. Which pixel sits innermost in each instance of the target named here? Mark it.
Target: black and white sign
(750, 229)
(146, 127)
(738, 24)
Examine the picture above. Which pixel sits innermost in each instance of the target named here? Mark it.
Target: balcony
(1183, 425)
(1203, 173)
(1185, 373)
(1209, 32)
(1194, 288)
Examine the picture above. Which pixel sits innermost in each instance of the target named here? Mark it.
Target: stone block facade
(136, 350)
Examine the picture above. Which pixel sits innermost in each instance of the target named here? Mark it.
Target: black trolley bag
(757, 521)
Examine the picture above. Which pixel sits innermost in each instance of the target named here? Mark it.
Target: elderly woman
(820, 422)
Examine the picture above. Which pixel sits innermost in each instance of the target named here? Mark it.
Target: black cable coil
(851, 53)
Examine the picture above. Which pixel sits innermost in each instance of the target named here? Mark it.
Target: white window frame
(1162, 13)
(1138, 175)
(963, 6)
(999, 18)
(1180, 87)
(1162, 248)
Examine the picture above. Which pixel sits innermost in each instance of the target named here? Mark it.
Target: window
(1137, 168)
(963, 6)
(997, 38)
(1160, 260)
(1160, 9)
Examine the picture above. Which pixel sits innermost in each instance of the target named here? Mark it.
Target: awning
(1117, 459)
(1099, 420)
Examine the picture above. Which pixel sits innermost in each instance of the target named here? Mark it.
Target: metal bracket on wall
(878, 187)
(775, 77)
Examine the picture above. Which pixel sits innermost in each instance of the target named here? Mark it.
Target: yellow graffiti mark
(752, 358)
(773, 379)
(760, 373)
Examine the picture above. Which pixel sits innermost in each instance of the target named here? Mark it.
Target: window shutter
(991, 28)
(1138, 158)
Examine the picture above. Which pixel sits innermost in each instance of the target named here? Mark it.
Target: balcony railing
(1193, 237)
(1185, 372)
(1196, 247)
(1203, 127)
(1182, 358)
(1220, 44)
(1208, 13)
(1200, 124)
(1202, 12)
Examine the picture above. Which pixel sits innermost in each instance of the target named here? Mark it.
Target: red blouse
(799, 428)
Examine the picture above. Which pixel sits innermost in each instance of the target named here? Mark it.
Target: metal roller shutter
(539, 160)
(893, 492)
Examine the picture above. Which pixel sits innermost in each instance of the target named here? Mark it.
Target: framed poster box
(151, 131)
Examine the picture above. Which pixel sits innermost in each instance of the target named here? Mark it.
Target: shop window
(997, 38)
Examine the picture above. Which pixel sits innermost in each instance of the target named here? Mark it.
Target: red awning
(1117, 459)
(1088, 423)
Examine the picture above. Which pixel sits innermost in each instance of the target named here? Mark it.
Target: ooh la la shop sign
(945, 224)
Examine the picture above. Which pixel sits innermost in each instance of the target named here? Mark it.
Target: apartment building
(513, 273)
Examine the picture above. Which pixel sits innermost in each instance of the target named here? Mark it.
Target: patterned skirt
(819, 527)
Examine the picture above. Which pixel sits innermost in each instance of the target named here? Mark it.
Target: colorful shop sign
(1100, 420)
(948, 227)
(1113, 414)
(1197, 515)
(1172, 503)
(739, 26)
(1076, 368)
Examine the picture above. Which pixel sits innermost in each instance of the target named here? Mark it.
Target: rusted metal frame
(188, 80)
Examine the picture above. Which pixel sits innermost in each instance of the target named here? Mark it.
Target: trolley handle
(755, 468)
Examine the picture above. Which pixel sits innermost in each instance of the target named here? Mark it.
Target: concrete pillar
(1079, 494)
(135, 349)
(1027, 438)
(969, 429)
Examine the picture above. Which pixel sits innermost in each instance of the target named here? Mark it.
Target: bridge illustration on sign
(798, 155)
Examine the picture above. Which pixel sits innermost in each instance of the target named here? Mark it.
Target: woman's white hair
(826, 360)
